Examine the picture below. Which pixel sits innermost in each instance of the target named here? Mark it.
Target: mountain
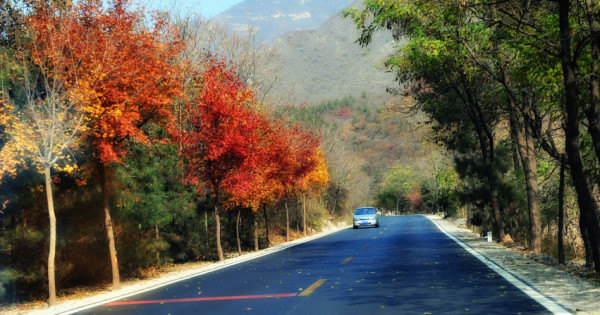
(326, 62)
(317, 56)
(271, 18)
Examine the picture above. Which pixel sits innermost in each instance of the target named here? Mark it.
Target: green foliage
(21, 275)
(397, 184)
(362, 142)
(150, 196)
(315, 115)
(336, 198)
(472, 66)
(316, 212)
(443, 192)
(151, 180)
(11, 21)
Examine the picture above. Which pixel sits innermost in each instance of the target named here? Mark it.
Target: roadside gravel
(572, 292)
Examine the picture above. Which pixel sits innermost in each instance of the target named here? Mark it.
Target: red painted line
(215, 298)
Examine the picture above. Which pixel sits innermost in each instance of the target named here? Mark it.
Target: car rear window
(360, 211)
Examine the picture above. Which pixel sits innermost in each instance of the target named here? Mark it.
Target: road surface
(406, 266)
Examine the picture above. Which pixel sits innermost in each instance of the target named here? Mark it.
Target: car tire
(355, 227)
(377, 225)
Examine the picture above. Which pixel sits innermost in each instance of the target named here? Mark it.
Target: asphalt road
(406, 266)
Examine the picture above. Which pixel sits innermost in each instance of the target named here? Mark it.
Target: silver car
(366, 216)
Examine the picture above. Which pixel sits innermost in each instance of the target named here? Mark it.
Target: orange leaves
(318, 178)
(5, 111)
(10, 157)
(264, 180)
(120, 73)
(220, 134)
(245, 158)
(290, 163)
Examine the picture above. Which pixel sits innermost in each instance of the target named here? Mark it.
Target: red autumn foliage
(343, 112)
(221, 134)
(219, 137)
(285, 156)
(245, 158)
(415, 200)
(121, 74)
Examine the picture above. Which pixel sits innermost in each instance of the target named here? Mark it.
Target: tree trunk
(157, 239)
(593, 110)
(526, 150)
(304, 215)
(561, 212)
(587, 245)
(52, 248)
(116, 280)
(237, 231)
(218, 228)
(489, 158)
(594, 126)
(469, 216)
(515, 153)
(266, 224)
(255, 232)
(287, 223)
(587, 205)
(486, 143)
(206, 226)
(496, 211)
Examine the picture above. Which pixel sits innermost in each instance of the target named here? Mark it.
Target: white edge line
(538, 297)
(219, 266)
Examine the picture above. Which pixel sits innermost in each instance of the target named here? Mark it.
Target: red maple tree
(286, 157)
(220, 137)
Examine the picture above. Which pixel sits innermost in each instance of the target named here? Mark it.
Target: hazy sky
(207, 8)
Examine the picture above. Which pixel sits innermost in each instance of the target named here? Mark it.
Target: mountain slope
(326, 63)
(272, 18)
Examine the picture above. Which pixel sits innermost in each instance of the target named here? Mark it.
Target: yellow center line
(374, 237)
(365, 246)
(347, 260)
(312, 287)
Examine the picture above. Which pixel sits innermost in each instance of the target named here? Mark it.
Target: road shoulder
(570, 291)
(76, 305)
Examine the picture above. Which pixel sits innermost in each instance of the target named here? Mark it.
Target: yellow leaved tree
(42, 131)
(313, 182)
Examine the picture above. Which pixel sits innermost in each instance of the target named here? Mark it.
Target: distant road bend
(406, 266)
